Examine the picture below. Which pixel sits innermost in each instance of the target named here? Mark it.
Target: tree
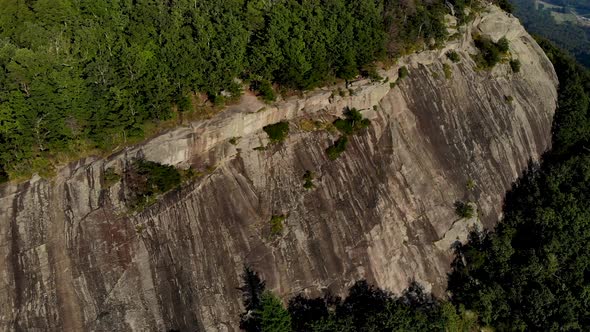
(252, 290)
(273, 316)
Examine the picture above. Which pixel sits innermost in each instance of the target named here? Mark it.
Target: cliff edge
(74, 258)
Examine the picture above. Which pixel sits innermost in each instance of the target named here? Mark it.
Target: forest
(530, 273)
(80, 76)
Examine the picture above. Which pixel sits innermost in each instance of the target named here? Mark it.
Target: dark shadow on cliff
(365, 308)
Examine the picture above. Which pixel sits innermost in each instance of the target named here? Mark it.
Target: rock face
(73, 258)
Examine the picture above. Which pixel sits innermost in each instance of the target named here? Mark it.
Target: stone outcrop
(73, 258)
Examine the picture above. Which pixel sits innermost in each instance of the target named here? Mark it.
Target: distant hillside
(564, 22)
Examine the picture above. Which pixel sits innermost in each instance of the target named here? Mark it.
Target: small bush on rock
(277, 132)
(453, 56)
(515, 65)
(336, 149)
(276, 224)
(464, 210)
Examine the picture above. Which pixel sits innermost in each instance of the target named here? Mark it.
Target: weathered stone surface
(73, 259)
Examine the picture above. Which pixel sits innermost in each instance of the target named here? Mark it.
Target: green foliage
(146, 179)
(571, 123)
(464, 209)
(503, 45)
(470, 184)
(453, 56)
(515, 65)
(277, 224)
(3, 176)
(365, 308)
(490, 53)
(448, 71)
(308, 178)
(273, 316)
(402, 73)
(335, 150)
(265, 90)
(352, 123)
(277, 132)
(110, 177)
(505, 5)
(509, 99)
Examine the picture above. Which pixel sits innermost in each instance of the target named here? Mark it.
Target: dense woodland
(531, 273)
(78, 75)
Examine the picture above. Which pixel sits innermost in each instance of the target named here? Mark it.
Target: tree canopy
(80, 75)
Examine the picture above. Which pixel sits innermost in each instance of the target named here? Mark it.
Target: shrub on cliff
(453, 56)
(402, 73)
(111, 177)
(464, 210)
(335, 150)
(490, 53)
(277, 224)
(308, 180)
(515, 65)
(277, 132)
(146, 179)
(353, 122)
(264, 89)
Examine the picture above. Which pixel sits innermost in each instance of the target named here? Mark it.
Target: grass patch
(470, 185)
(310, 125)
(464, 209)
(277, 132)
(448, 71)
(277, 224)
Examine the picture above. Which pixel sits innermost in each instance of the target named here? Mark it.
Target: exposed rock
(73, 259)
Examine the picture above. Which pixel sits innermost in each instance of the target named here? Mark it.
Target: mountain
(79, 254)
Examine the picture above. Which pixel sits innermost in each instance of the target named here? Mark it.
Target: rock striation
(73, 258)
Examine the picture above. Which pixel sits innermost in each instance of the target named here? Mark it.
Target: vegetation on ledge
(490, 52)
(80, 77)
(146, 179)
(277, 132)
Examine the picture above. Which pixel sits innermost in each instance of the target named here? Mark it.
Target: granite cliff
(74, 258)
